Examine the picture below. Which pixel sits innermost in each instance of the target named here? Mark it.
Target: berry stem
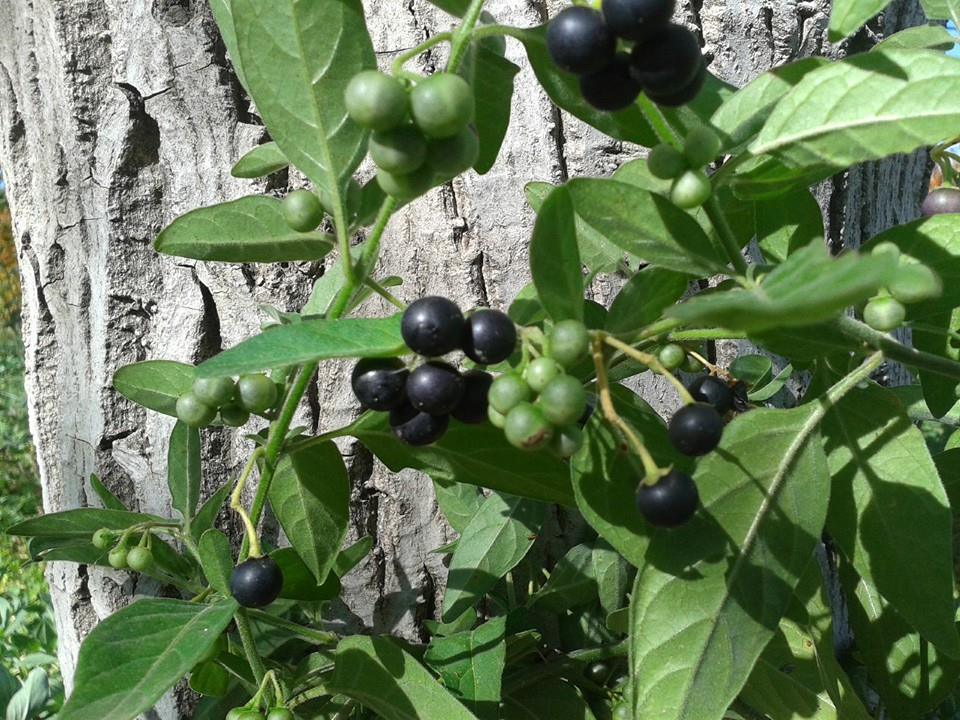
(236, 504)
(397, 67)
(652, 362)
(249, 646)
(731, 246)
(658, 122)
(463, 35)
(319, 637)
(384, 293)
(896, 351)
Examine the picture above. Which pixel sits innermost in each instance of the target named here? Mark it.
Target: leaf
(776, 384)
(571, 584)
(210, 679)
(936, 9)
(550, 698)
(216, 560)
(109, 500)
(787, 223)
(866, 107)
(470, 665)
(643, 299)
(493, 91)
(457, 8)
(261, 161)
(309, 341)
(130, 659)
(391, 682)
(183, 470)
(555, 258)
(807, 288)
(889, 513)
(223, 14)
(8, 687)
(352, 556)
(711, 593)
(80, 523)
(155, 384)
(27, 702)
(473, 454)
(207, 514)
(848, 16)
(251, 229)
(612, 576)
(928, 37)
(298, 58)
(299, 582)
(496, 540)
(310, 495)
(458, 502)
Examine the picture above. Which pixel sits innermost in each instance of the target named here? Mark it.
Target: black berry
(435, 388)
(942, 201)
(671, 502)
(668, 62)
(473, 406)
(710, 390)
(489, 337)
(683, 95)
(432, 326)
(696, 429)
(579, 41)
(612, 87)
(379, 384)
(637, 19)
(417, 428)
(256, 582)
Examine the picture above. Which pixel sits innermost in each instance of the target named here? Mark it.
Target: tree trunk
(115, 117)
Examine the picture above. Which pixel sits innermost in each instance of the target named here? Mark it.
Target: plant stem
(658, 122)
(897, 351)
(320, 637)
(384, 293)
(836, 393)
(249, 646)
(463, 35)
(652, 362)
(371, 250)
(727, 237)
(706, 334)
(250, 538)
(403, 57)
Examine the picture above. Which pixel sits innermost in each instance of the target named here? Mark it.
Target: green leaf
(32, 696)
(391, 682)
(866, 107)
(299, 582)
(493, 92)
(309, 341)
(458, 502)
(555, 258)
(183, 470)
(808, 288)
(223, 14)
(109, 500)
(210, 679)
(457, 8)
(550, 698)
(889, 513)
(349, 558)
(571, 584)
(496, 540)
(8, 686)
(261, 161)
(470, 665)
(251, 229)
(848, 16)
(310, 495)
(155, 384)
(473, 454)
(936, 9)
(298, 58)
(643, 299)
(207, 514)
(612, 575)
(130, 659)
(922, 37)
(786, 223)
(216, 560)
(715, 589)
(80, 523)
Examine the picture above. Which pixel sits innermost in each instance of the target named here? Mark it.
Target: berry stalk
(463, 35)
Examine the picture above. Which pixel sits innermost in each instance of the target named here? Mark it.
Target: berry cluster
(665, 61)
(420, 138)
(543, 406)
(234, 400)
(138, 558)
(421, 401)
(245, 713)
(691, 186)
(913, 283)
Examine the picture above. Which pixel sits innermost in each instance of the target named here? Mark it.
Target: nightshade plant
(696, 593)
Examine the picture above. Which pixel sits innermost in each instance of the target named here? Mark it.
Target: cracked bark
(115, 117)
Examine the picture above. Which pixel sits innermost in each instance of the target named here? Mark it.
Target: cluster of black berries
(421, 138)
(421, 401)
(665, 63)
(694, 430)
(543, 406)
(234, 400)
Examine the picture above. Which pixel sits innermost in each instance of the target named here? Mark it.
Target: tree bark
(116, 117)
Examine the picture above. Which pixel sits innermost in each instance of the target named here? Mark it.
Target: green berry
(691, 190)
(568, 342)
(118, 557)
(540, 372)
(497, 419)
(526, 427)
(563, 400)
(233, 415)
(302, 210)
(691, 364)
(248, 714)
(103, 538)
(621, 712)
(884, 314)
(257, 393)
(508, 391)
(235, 713)
(666, 162)
(672, 356)
(279, 713)
(375, 100)
(215, 392)
(398, 151)
(442, 105)
(193, 412)
(567, 441)
(702, 146)
(139, 559)
(451, 156)
(407, 187)
(915, 282)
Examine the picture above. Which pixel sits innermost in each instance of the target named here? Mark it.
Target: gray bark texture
(116, 116)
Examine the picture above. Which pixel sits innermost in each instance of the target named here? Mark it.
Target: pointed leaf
(643, 299)
(470, 665)
(207, 514)
(155, 384)
(848, 16)
(183, 470)
(555, 258)
(493, 89)
(109, 500)
(216, 560)
(261, 161)
(80, 523)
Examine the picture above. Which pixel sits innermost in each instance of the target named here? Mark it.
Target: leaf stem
(652, 362)
(397, 67)
(897, 351)
(463, 35)
(727, 237)
(836, 393)
(249, 646)
(658, 122)
(320, 637)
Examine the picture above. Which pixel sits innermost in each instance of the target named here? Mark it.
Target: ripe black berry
(432, 326)
(683, 95)
(435, 388)
(379, 384)
(472, 408)
(417, 428)
(668, 62)
(710, 390)
(489, 337)
(696, 429)
(671, 502)
(637, 19)
(579, 41)
(612, 87)
(942, 201)
(256, 582)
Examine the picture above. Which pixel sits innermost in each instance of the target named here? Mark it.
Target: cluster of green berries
(913, 283)
(138, 558)
(541, 405)
(235, 401)
(664, 62)
(421, 401)
(422, 137)
(691, 186)
(246, 713)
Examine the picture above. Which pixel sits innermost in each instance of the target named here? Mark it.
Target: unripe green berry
(302, 210)
(563, 400)
(672, 356)
(915, 282)
(702, 146)
(139, 558)
(497, 419)
(540, 372)
(568, 342)
(691, 190)
(103, 538)
(118, 557)
(508, 391)
(691, 364)
(398, 151)
(526, 427)
(451, 156)
(409, 186)
(214, 391)
(375, 100)
(442, 105)
(257, 393)
(194, 413)
(248, 714)
(884, 314)
(666, 162)
(279, 713)
(233, 415)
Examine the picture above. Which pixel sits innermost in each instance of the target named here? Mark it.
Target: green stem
(249, 646)
(564, 663)
(371, 249)
(320, 637)
(500, 31)
(836, 393)
(384, 293)
(896, 351)
(463, 35)
(706, 334)
(403, 57)
(727, 237)
(658, 122)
